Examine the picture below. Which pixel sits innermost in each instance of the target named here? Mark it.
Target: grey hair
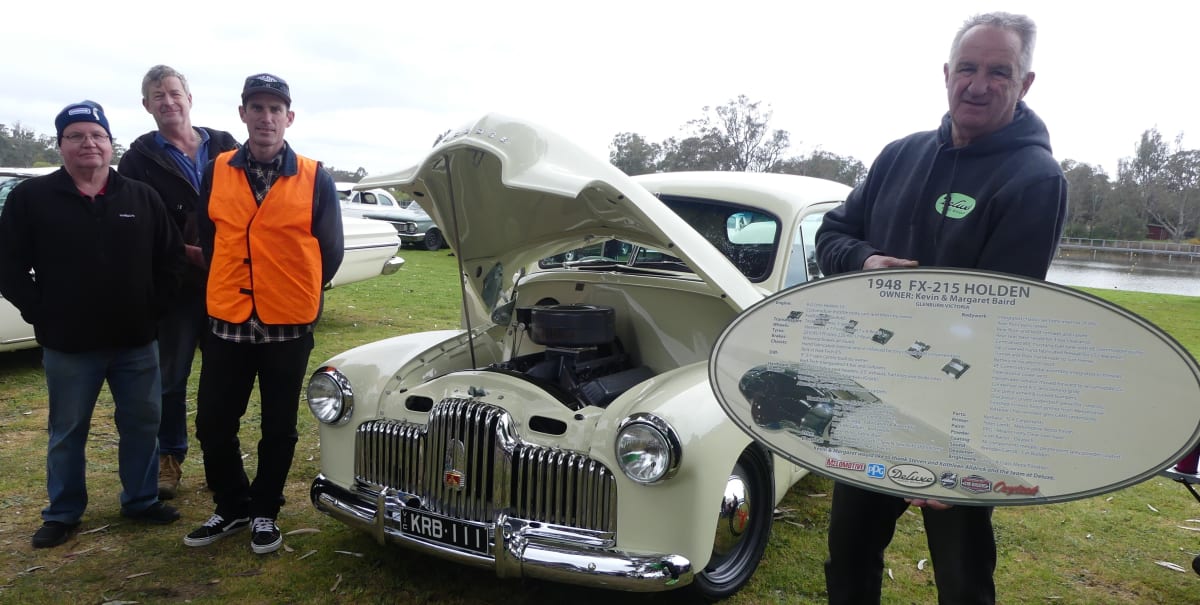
(157, 74)
(1021, 25)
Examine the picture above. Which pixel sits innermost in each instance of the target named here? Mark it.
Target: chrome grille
(498, 472)
(563, 488)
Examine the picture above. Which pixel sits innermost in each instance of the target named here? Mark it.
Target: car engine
(583, 363)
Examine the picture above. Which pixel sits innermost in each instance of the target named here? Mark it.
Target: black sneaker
(53, 533)
(266, 536)
(214, 529)
(157, 513)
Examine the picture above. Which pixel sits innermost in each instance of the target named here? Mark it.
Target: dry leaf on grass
(346, 552)
(1188, 528)
(335, 584)
(890, 576)
(306, 555)
(92, 531)
(138, 575)
(34, 568)
(306, 530)
(1170, 565)
(1151, 508)
(817, 495)
(287, 548)
(921, 564)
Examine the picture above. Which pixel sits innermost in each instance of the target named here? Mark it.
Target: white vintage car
(370, 250)
(569, 431)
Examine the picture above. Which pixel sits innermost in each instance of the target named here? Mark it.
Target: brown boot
(169, 474)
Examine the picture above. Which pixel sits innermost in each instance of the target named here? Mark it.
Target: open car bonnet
(508, 193)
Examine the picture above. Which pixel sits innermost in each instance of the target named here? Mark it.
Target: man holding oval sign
(982, 191)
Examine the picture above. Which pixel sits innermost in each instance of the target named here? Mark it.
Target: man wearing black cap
(271, 226)
(95, 319)
(171, 159)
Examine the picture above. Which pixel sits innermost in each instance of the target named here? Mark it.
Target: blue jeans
(178, 334)
(73, 381)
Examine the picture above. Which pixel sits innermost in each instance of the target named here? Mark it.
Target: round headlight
(647, 449)
(330, 397)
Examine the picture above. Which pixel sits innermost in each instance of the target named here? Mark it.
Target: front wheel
(433, 240)
(743, 527)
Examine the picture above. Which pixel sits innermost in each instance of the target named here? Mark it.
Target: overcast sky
(373, 84)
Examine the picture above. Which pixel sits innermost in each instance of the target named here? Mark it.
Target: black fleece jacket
(1008, 203)
(149, 163)
(103, 270)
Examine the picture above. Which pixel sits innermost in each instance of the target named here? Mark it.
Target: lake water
(1158, 278)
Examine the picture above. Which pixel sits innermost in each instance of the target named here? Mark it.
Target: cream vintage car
(370, 250)
(568, 431)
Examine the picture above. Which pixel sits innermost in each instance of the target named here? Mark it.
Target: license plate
(435, 528)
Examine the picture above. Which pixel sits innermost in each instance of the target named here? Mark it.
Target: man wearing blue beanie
(96, 321)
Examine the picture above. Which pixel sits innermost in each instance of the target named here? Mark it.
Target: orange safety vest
(265, 257)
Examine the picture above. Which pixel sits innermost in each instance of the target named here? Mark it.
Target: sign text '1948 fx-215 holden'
(569, 430)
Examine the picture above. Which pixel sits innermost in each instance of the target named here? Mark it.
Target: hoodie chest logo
(960, 205)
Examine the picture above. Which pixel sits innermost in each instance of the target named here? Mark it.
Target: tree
(1163, 183)
(634, 155)
(735, 136)
(738, 136)
(21, 147)
(1089, 197)
(825, 165)
(344, 176)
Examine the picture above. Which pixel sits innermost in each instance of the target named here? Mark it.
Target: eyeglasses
(78, 138)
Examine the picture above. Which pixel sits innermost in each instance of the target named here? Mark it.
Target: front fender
(372, 370)
(678, 514)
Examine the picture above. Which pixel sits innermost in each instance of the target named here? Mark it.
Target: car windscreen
(748, 237)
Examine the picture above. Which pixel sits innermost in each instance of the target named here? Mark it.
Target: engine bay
(583, 363)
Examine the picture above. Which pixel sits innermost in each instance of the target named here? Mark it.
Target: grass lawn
(1105, 549)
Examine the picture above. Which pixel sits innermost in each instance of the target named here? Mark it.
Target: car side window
(367, 198)
(802, 266)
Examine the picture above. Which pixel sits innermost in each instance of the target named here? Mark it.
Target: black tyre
(743, 529)
(434, 240)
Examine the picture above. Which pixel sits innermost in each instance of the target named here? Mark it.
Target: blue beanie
(83, 111)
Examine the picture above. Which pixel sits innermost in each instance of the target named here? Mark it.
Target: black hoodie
(1008, 203)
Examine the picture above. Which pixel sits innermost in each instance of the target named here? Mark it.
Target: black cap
(269, 84)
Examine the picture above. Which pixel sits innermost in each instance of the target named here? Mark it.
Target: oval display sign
(968, 387)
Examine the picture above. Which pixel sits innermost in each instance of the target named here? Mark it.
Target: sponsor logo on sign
(949, 480)
(876, 470)
(1015, 490)
(846, 464)
(976, 484)
(911, 475)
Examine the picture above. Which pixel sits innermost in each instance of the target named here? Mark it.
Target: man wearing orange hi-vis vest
(271, 228)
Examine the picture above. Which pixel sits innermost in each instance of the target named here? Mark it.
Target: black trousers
(227, 376)
(861, 525)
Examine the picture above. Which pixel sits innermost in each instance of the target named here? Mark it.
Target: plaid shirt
(261, 176)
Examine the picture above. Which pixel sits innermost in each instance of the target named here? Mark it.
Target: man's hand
(880, 261)
(931, 504)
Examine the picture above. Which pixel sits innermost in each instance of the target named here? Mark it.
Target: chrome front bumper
(392, 265)
(515, 552)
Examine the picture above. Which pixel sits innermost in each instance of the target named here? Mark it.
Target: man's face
(168, 102)
(266, 117)
(93, 150)
(984, 82)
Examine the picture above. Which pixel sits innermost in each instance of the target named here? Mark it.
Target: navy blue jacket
(1007, 194)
